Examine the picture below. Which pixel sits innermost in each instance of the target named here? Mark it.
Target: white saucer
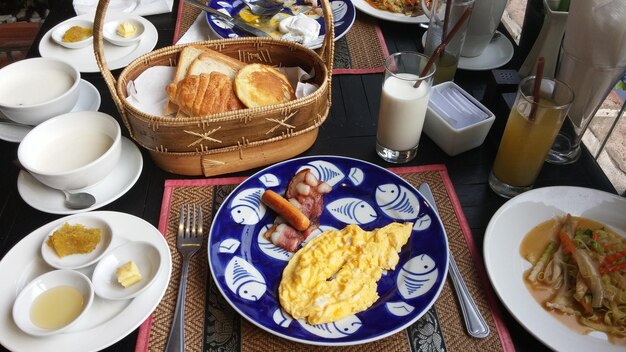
(496, 54)
(121, 179)
(116, 56)
(88, 100)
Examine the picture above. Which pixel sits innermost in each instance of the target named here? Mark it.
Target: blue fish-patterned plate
(247, 268)
(343, 16)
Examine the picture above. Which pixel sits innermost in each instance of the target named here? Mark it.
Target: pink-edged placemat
(212, 325)
(362, 50)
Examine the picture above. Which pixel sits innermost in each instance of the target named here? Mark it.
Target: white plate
(107, 321)
(121, 179)
(88, 100)
(496, 54)
(506, 267)
(364, 7)
(116, 56)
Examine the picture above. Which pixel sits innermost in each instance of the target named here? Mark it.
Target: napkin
(199, 31)
(136, 7)
(594, 54)
(147, 92)
(596, 32)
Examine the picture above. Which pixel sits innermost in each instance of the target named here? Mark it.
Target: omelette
(335, 275)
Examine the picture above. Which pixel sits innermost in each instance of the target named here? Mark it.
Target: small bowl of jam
(78, 242)
(73, 33)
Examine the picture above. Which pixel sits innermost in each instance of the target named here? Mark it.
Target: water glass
(591, 84)
(403, 104)
(438, 28)
(528, 135)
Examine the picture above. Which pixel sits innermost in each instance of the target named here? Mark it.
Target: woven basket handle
(98, 49)
(328, 47)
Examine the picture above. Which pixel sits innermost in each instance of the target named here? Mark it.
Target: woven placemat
(212, 325)
(362, 50)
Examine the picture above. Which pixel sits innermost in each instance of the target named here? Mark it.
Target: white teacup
(482, 25)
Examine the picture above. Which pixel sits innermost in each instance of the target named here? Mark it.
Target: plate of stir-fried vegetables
(556, 257)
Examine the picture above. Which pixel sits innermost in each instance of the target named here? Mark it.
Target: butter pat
(128, 274)
(126, 30)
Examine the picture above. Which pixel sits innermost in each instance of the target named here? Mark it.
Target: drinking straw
(536, 88)
(446, 19)
(442, 45)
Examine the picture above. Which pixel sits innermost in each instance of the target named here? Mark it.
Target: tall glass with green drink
(529, 134)
(443, 16)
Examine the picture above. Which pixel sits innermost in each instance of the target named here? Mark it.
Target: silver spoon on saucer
(75, 201)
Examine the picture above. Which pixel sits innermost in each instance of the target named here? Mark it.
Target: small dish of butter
(123, 31)
(126, 271)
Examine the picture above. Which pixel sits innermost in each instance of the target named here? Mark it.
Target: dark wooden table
(349, 131)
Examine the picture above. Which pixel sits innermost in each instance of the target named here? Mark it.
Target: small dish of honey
(73, 33)
(53, 302)
(78, 242)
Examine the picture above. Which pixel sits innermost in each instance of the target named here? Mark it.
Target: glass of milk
(403, 104)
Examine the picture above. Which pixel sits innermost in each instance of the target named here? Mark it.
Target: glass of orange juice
(529, 134)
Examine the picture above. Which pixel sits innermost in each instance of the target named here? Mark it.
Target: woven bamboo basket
(235, 140)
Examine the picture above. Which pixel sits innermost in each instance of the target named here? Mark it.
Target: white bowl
(50, 280)
(469, 134)
(72, 151)
(34, 90)
(148, 260)
(77, 261)
(59, 31)
(109, 31)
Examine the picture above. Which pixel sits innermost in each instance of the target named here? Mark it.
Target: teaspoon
(79, 200)
(75, 201)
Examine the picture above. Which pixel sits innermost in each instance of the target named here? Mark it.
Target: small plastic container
(456, 121)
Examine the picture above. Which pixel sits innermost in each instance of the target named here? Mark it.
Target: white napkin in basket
(199, 31)
(147, 92)
(136, 7)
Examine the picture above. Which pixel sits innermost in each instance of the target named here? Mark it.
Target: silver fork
(264, 7)
(188, 242)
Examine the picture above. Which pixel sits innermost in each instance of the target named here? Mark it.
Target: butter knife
(233, 20)
(474, 321)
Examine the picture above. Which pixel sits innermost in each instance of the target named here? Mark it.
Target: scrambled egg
(336, 274)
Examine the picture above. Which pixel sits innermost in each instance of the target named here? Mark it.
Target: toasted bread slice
(260, 85)
(204, 94)
(213, 61)
(185, 58)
